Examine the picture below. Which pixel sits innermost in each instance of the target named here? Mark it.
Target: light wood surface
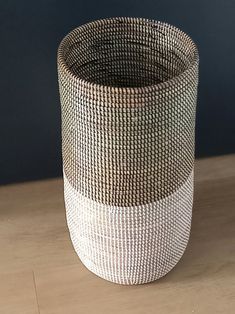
(40, 273)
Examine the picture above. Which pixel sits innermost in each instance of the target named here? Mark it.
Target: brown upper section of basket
(128, 92)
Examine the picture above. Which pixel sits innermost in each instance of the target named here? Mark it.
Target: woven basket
(128, 89)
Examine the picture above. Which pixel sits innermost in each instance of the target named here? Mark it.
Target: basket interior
(127, 52)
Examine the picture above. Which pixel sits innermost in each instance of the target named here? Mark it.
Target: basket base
(130, 245)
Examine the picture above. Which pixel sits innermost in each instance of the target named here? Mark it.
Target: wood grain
(34, 239)
(17, 293)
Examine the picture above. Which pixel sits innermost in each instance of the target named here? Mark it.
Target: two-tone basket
(128, 89)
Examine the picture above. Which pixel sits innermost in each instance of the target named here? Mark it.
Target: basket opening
(126, 52)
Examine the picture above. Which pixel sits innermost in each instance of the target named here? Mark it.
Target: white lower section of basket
(130, 245)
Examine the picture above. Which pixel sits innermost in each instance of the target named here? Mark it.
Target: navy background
(30, 31)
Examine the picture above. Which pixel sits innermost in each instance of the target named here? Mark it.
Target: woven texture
(128, 91)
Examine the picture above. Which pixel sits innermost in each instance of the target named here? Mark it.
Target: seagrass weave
(128, 89)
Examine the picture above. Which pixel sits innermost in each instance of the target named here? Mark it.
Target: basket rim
(96, 87)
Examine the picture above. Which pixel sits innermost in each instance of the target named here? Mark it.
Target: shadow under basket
(128, 89)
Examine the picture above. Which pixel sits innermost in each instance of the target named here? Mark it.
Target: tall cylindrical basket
(128, 89)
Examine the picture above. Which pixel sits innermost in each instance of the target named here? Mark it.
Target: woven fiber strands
(128, 90)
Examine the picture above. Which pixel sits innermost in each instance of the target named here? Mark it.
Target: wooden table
(40, 273)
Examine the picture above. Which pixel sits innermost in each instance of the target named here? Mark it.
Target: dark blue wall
(30, 32)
